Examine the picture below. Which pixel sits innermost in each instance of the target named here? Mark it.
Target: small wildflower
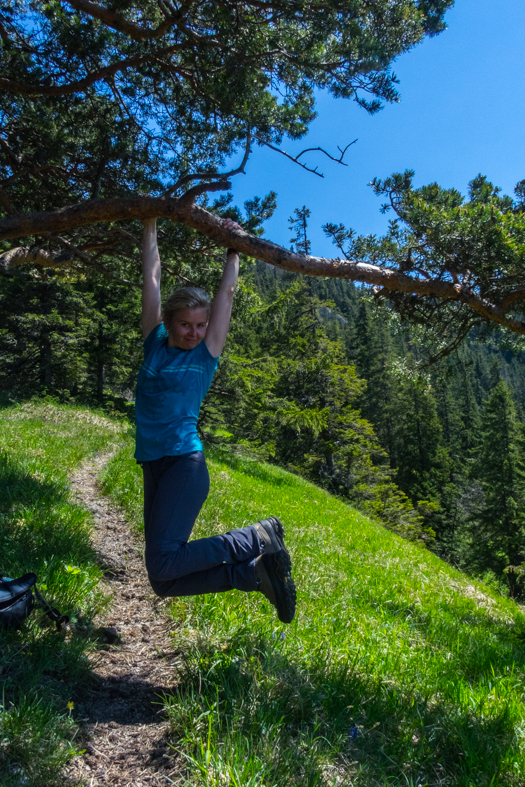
(70, 705)
(354, 733)
(283, 634)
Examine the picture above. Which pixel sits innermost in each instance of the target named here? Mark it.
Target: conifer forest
(368, 405)
(319, 379)
(392, 375)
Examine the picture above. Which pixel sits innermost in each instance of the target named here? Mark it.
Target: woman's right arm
(151, 313)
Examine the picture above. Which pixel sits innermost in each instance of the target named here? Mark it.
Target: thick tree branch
(6, 203)
(4, 34)
(189, 197)
(9, 153)
(23, 254)
(221, 176)
(25, 89)
(512, 298)
(117, 22)
(88, 260)
(184, 211)
(36, 172)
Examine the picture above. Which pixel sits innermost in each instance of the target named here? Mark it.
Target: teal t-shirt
(170, 388)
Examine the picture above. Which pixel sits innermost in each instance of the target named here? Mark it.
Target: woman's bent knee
(161, 566)
(160, 588)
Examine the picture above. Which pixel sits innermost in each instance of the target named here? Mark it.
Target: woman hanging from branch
(183, 342)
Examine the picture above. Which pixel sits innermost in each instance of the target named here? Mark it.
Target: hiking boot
(271, 536)
(274, 580)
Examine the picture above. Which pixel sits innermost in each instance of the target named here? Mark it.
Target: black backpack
(17, 601)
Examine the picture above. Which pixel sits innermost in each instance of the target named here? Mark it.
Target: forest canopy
(112, 113)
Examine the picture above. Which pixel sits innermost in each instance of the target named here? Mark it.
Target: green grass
(43, 530)
(426, 664)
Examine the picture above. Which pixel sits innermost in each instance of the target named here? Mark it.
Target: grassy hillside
(43, 530)
(397, 670)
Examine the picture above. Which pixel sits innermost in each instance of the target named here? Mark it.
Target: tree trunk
(46, 372)
(101, 368)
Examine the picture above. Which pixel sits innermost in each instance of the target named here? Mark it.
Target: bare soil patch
(123, 725)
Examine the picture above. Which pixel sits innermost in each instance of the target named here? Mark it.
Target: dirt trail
(124, 727)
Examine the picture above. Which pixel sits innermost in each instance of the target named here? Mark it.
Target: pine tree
(458, 412)
(422, 459)
(498, 526)
(69, 337)
(45, 330)
(373, 356)
(115, 353)
(297, 403)
(299, 225)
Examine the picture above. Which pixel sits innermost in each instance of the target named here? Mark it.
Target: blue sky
(462, 111)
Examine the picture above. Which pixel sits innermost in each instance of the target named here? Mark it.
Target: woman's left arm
(221, 309)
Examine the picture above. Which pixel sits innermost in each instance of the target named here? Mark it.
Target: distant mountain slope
(398, 669)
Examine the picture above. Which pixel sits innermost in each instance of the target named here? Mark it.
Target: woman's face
(187, 328)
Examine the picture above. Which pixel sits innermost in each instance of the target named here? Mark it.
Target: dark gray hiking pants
(175, 488)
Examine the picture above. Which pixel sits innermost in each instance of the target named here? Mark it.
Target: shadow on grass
(42, 532)
(39, 524)
(297, 719)
(19, 487)
(6, 400)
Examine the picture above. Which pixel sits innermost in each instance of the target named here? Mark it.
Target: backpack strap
(16, 587)
(51, 612)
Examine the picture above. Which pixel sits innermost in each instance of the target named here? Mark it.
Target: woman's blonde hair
(185, 298)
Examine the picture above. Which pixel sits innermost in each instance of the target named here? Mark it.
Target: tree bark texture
(185, 211)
